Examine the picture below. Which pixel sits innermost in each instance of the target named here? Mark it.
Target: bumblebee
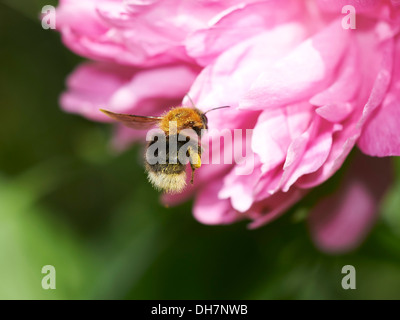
(170, 175)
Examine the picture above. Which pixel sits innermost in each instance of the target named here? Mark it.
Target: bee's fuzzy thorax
(186, 118)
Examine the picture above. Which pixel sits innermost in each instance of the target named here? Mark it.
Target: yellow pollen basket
(195, 158)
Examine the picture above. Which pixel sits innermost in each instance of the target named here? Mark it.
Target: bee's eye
(205, 121)
(197, 130)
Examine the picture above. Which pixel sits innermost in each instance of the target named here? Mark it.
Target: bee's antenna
(216, 109)
(190, 99)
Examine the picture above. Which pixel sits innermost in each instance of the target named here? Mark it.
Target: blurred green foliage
(68, 201)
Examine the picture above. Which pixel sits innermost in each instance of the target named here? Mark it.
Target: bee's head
(204, 117)
(205, 121)
(200, 125)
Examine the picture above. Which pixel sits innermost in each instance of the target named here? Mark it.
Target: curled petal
(275, 130)
(308, 152)
(210, 209)
(271, 208)
(381, 133)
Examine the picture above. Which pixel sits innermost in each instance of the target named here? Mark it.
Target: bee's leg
(192, 179)
(194, 159)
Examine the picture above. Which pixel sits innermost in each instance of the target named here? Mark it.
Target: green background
(67, 200)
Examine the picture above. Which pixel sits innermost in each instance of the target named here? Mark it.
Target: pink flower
(310, 89)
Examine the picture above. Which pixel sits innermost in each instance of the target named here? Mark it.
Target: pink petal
(98, 30)
(169, 83)
(239, 188)
(271, 208)
(271, 138)
(268, 184)
(91, 86)
(71, 14)
(127, 90)
(346, 84)
(335, 112)
(381, 82)
(310, 152)
(275, 129)
(86, 33)
(237, 67)
(344, 140)
(239, 23)
(359, 5)
(287, 80)
(395, 2)
(209, 209)
(341, 221)
(381, 133)
(145, 33)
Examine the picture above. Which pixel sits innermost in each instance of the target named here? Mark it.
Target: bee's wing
(132, 121)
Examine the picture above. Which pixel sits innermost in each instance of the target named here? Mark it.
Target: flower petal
(170, 82)
(341, 221)
(275, 130)
(127, 90)
(209, 209)
(237, 24)
(240, 65)
(140, 33)
(346, 84)
(344, 140)
(271, 208)
(302, 73)
(239, 188)
(225, 81)
(307, 153)
(91, 86)
(381, 133)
